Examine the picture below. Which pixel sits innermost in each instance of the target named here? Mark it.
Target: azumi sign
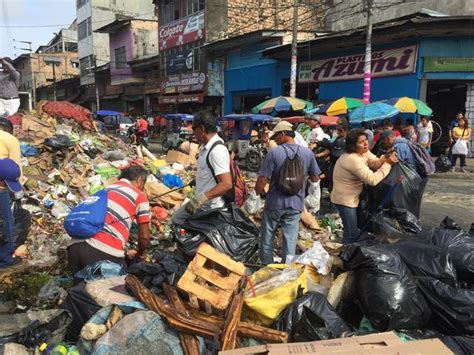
(185, 30)
(384, 63)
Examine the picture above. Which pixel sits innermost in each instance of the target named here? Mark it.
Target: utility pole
(368, 53)
(294, 51)
(97, 100)
(54, 81)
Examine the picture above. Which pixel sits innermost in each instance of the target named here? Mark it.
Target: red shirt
(142, 125)
(125, 204)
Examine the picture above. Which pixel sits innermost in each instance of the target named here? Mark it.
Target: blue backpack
(88, 217)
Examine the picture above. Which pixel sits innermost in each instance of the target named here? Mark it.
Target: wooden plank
(214, 277)
(220, 258)
(219, 300)
(229, 335)
(189, 343)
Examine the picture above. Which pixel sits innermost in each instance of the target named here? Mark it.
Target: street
(448, 194)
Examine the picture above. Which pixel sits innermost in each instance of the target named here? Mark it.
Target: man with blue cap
(9, 183)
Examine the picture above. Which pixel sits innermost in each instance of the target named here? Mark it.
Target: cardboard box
(174, 156)
(380, 343)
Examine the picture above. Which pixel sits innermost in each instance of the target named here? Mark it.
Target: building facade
(94, 48)
(424, 57)
(190, 77)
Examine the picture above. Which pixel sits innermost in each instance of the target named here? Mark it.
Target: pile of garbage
(201, 289)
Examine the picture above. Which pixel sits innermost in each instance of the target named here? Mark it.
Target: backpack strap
(233, 174)
(208, 163)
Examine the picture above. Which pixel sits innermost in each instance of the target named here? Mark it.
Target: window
(169, 11)
(81, 3)
(120, 57)
(84, 29)
(192, 6)
(86, 65)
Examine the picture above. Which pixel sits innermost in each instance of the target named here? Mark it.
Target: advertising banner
(184, 83)
(185, 30)
(215, 72)
(179, 62)
(384, 63)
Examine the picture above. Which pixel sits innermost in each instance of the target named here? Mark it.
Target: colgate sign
(186, 30)
(384, 63)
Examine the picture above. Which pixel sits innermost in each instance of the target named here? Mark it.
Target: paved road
(449, 194)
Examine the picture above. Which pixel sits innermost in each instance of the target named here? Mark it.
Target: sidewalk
(458, 174)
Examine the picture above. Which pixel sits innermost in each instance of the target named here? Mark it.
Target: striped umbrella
(341, 106)
(409, 105)
(281, 104)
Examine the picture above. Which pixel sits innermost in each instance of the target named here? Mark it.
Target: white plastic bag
(460, 147)
(254, 203)
(318, 257)
(313, 200)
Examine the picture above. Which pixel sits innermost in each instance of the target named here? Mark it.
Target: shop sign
(384, 63)
(215, 73)
(179, 62)
(448, 64)
(181, 99)
(185, 30)
(183, 83)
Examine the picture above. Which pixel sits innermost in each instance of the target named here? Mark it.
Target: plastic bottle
(60, 349)
(45, 349)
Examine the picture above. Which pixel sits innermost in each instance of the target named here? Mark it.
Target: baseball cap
(312, 117)
(385, 134)
(283, 126)
(10, 173)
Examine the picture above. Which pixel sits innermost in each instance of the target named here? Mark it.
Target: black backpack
(290, 178)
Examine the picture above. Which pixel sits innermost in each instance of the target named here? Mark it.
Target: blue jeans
(349, 221)
(6, 243)
(289, 220)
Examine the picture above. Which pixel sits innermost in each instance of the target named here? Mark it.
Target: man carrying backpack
(285, 168)
(213, 177)
(126, 203)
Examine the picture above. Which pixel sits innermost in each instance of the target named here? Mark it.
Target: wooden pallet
(211, 280)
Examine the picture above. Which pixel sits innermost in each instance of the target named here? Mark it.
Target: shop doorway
(445, 97)
(245, 101)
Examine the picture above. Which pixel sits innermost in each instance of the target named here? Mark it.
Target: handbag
(460, 147)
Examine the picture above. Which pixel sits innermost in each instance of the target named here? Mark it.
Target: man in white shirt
(213, 178)
(316, 134)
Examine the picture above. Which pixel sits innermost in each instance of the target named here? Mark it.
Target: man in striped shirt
(126, 203)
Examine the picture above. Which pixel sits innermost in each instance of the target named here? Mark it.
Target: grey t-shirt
(271, 166)
(9, 81)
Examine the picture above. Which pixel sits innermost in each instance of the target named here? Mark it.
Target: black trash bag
(460, 246)
(350, 311)
(81, 306)
(395, 222)
(385, 287)
(229, 230)
(309, 318)
(449, 223)
(459, 345)
(187, 243)
(443, 164)
(152, 275)
(427, 260)
(406, 195)
(452, 309)
(59, 142)
(21, 226)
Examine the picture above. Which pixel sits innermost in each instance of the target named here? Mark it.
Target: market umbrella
(281, 104)
(341, 106)
(409, 105)
(374, 111)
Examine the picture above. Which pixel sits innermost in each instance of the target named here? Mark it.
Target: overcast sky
(32, 20)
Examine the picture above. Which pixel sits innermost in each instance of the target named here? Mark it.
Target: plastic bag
(21, 224)
(395, 222)
(316, 256)
(407, 194)
(271, 289)
(427, 260)
(460, 147)
(228, 230)
(59, 142)
(385, 287)
(141, 332)
(311, 317)
(460, 246)
(103, 269)
(60, 210)
(443, 164)
(459, 345)
(52, 292)
(452, 309)
(254, 203)
(313, 200)
(170, 180)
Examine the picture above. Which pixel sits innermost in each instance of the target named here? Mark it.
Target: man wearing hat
(9, 81)
(9, 183)
(400, 145)
(282, 209)
(316, 133)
